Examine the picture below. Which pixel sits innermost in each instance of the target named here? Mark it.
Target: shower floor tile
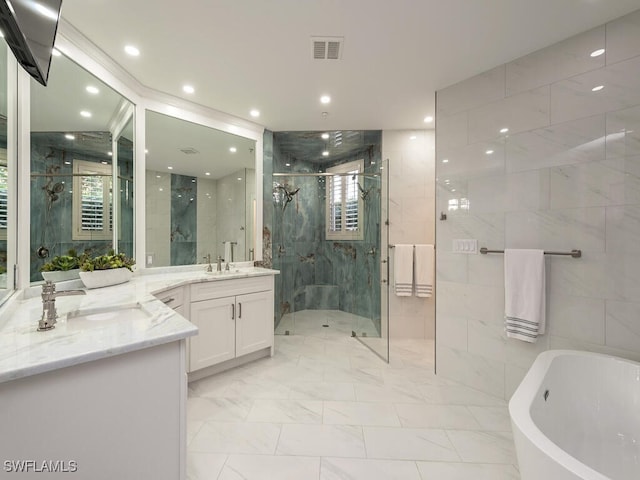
(339, 324)
(325, 407)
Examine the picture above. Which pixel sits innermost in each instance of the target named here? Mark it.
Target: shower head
(58, 187)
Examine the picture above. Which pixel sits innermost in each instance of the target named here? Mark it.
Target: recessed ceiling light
(92, 90)
(110, 154)
(325, 99)
(597, 53)
(446, 160)
(254, 113)
(188, 89)
(447, 182)
(158, 176)
(489, 152)
(170, 168)
(597, 88)
(412, 137)
(325, 153)
(428, 119)
(131, 50)
(239, 178)
(193, 180)
(453, 189)
(161, 189)
(68, 136)
(54, 51)
(104, 163)
(146, 151)
(67, 162)
(504, 130)
(233, 149)
(287, 164)
(207, 173)
(85, 114)
(325, 136)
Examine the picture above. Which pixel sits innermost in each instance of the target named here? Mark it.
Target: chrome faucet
(208, 259)
(49, 295)
(219, 268)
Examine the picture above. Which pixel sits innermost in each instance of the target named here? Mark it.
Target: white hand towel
(524, 294)
(403, 270)
(424, 270)
(228, 256)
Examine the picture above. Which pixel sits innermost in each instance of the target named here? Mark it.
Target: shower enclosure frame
(378, 344)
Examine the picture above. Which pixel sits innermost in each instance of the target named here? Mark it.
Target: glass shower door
(378, 340)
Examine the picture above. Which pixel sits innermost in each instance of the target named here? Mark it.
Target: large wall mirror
(200, 193)
(5, 261)
(81, 166)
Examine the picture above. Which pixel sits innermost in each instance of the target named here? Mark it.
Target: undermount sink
(125, 312)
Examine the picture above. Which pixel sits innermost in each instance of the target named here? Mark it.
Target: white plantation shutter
(335, 194)
(92, 211)
(3, 200)
(344, 205)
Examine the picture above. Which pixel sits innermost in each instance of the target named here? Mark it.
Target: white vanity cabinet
(177, 299)
(234, 320)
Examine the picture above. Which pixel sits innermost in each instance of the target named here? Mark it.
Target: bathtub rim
(520, 413)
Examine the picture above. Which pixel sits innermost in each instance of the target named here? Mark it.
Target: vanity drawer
(230, 288)
(171, 298)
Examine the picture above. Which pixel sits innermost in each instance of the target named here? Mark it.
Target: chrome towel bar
(572, 253)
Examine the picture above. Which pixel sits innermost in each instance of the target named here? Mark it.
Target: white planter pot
(104, 278)
(60, 276)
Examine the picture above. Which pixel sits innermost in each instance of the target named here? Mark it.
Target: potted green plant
(104, 270)
(63, 267)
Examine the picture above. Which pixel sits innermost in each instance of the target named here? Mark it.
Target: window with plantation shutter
(344, 205)
(92, 201)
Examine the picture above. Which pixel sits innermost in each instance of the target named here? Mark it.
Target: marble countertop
(24, 351)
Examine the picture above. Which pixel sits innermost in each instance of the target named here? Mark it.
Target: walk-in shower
(328, 232)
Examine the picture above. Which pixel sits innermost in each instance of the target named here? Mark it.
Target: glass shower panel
(379, 341)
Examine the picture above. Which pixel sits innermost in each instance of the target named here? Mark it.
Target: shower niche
(328, 195)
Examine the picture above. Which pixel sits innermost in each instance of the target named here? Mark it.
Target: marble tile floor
(327, 408)
(310, 323)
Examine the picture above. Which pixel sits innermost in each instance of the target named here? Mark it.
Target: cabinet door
(215, 341)
(254, 328)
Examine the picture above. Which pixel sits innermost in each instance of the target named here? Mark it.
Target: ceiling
(244, 54)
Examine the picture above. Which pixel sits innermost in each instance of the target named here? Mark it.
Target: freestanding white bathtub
(576, 415)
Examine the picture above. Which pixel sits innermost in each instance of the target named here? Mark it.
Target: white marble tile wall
(565, 175)
(231, 210)
(411, 217)
(158, 217)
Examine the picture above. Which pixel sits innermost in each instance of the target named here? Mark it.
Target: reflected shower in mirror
(200, 193)
(81, 132)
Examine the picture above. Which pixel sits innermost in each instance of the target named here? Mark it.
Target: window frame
(356, 167)
(85, 168)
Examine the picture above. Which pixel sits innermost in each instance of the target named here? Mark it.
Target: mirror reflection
(200, 193)
(4, 190)
(81, 143)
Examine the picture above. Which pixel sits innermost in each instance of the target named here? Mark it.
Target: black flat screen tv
(29, 28)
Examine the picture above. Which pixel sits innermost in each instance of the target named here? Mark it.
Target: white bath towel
(403, 270)
(424, 270)
(524, 294)
(228, 252)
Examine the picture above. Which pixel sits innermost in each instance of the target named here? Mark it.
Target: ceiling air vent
(327, 48)
(189, 151)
